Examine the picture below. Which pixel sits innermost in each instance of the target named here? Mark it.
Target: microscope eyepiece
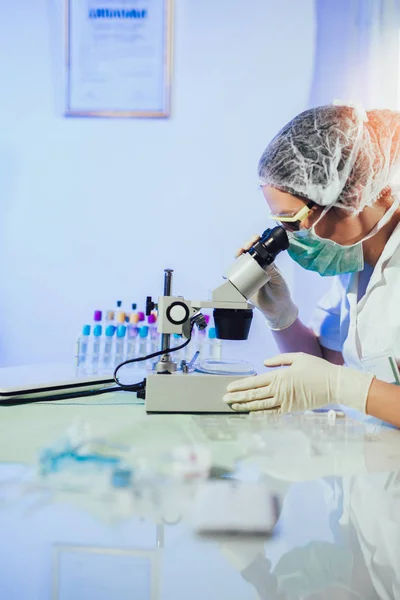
(270, 244)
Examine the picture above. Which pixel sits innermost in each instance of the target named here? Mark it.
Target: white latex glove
(308, 382)
(273, 299)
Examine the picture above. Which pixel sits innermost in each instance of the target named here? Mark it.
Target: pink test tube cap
(97, 315)
(141, 316)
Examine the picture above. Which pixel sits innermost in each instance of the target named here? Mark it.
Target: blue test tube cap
(86, 330)
(177, 336)
(110, 330)
(121, 331)
(144, 331)
(97, 330)
(212, 333)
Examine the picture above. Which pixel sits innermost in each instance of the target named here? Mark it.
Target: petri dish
(225, 367)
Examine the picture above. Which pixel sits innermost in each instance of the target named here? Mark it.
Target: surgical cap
(335, 155)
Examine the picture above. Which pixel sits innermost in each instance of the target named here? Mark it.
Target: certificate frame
(167, 57)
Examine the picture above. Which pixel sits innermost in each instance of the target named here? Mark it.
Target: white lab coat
(371, 504)
(364, 329)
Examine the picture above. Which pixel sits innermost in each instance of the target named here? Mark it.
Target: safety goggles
(291, 221)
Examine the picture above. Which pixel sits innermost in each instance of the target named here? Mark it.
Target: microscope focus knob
(177, 313)
(150, 305)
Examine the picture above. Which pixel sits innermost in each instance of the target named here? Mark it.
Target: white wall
(94, 210)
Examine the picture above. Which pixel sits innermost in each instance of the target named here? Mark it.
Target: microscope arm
(243, 279)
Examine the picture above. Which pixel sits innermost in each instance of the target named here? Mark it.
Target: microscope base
(187, 393)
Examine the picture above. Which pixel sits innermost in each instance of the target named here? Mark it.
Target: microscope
(173, 390)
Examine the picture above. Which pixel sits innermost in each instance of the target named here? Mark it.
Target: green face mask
(327, 257)
(324, 256)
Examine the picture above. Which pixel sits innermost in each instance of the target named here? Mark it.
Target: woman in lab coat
(329, 178)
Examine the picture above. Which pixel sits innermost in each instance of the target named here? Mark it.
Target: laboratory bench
(337, 534)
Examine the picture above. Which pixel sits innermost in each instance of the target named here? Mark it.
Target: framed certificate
(118, 58)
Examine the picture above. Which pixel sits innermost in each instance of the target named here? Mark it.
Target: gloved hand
(308, 382)
(273, 299)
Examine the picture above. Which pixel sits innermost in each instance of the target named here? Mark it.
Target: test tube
(143, 337)
(110, 316)
(201, 339)
(132, 334)
(96, 348)
(120, 344)
(97, 317)
(154, 335)
(108, 347)
(120, 317)
(82, 346)
(128, 316)
(215, 345)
